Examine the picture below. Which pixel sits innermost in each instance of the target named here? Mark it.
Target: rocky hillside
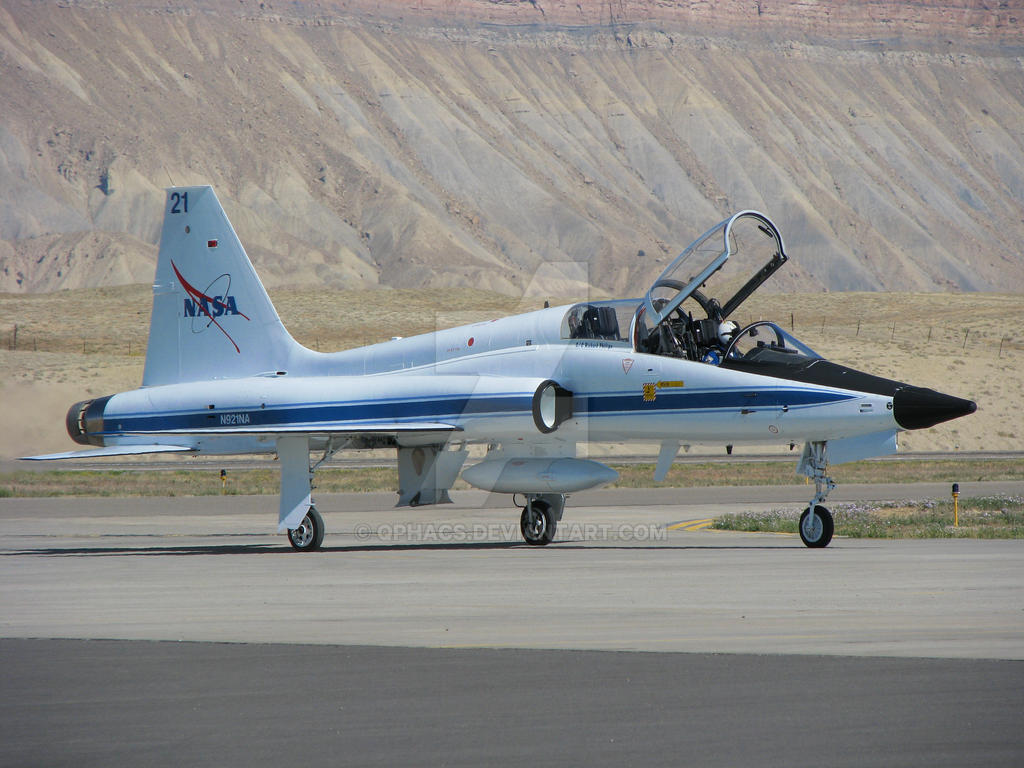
(516, 146)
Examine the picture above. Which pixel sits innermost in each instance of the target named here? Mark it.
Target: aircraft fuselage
(617, 395)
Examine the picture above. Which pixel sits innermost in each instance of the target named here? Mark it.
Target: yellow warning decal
(650, 391)
(670, 384)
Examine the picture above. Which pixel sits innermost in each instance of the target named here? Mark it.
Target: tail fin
(212, 318)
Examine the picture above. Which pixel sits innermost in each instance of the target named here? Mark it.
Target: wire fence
(929, 338)
(963, 341)
(26, 339)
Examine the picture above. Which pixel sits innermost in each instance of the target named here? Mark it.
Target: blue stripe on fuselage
(453, 408)
(697, 400)
(284, 415)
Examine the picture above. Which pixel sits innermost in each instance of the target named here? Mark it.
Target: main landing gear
(310, 533)
(297, 492)
(540, 517)
(816, 524)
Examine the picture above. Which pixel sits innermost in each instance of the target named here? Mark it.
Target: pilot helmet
(727, 330)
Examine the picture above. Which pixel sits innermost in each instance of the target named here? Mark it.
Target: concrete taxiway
(855, 654)
(621, 577)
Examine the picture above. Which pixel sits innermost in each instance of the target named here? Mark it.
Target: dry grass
(206, 481)
(185, 482)
(783, 473)
(990, 517)
(115, 321)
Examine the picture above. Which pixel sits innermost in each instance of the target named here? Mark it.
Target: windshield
(765, 342)
(685, 312)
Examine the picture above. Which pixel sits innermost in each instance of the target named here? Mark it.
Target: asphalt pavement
(185, 631)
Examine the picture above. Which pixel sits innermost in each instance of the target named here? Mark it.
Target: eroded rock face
(923, 22)
(502, 144)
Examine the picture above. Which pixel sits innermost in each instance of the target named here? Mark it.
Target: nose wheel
(816, 526)
(537, 523)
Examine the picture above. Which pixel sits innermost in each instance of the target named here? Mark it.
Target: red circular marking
(470, 342)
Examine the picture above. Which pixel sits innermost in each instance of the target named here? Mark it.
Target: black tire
(816, 531)
(538, 529)
(310, 533)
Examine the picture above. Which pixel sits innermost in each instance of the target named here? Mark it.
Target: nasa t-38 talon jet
(223, 376)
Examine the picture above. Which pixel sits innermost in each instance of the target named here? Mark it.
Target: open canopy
(684, 312)
(720, 269)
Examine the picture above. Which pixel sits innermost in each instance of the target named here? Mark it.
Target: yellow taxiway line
(691, 525)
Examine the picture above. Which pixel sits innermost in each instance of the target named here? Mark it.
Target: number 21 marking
(179, 203)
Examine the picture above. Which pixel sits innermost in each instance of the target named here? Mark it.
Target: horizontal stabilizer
(111, 450)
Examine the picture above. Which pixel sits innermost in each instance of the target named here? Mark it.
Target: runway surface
(173, 704)
(432, 636)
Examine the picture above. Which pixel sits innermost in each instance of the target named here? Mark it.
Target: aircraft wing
(312, 428)
(318, 428)
(110, 450)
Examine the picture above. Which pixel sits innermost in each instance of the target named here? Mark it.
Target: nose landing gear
(816, 524)
(540, 517)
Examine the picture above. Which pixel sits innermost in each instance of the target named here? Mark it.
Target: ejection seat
(598, 323)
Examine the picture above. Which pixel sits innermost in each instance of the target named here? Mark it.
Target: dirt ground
(74, 345)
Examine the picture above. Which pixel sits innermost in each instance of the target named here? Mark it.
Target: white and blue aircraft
(223, 376)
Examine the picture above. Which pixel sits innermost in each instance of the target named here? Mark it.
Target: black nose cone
(919, 408)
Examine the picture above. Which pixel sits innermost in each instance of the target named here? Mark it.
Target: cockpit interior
(685, 314)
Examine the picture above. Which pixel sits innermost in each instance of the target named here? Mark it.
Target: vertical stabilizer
(212, 318)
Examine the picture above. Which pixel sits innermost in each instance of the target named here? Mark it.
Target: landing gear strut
(816, 524)
(296, 502)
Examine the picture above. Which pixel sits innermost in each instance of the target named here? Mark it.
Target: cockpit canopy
(734, 258)
(685, 312)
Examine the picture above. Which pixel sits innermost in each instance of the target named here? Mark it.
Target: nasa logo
(204, 307)
(212, 307)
